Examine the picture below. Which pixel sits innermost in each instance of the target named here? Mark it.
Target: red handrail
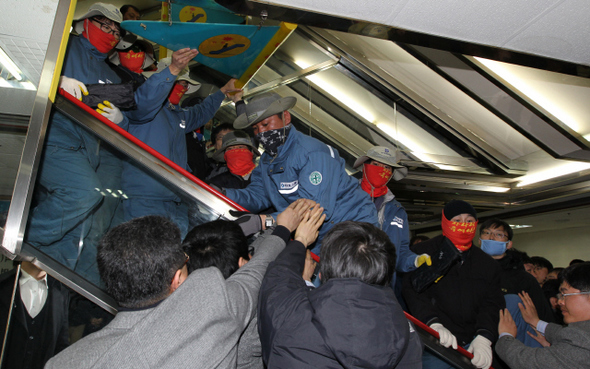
(147, 148)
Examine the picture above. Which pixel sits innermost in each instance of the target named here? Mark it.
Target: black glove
(250, 223)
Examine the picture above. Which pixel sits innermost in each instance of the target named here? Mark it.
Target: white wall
(558, 246)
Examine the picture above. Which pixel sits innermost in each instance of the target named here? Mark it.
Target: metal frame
(29, 164)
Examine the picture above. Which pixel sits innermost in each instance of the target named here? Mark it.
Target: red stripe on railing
(147, 148)
(153, 152)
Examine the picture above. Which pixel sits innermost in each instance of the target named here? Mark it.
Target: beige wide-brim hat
(262, 107)
(232, 139)
(107, 10)
(384, 155)
(182, 76)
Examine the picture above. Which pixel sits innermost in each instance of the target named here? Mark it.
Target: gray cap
(107, 10)
(232, 139)
(384, 155)
(262, 107)
(99, 9)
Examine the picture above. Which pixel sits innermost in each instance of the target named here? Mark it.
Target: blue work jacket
(306, 168)
(393, 220)
(86, 64)
(165, 134)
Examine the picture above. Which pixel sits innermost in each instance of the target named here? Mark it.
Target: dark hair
(220, 243)
(137, 260)
(357, 250)
(496, 223)
(418, 238)
(576, 261)
(551, 288)
(577, 276)
(126, 7)
(541, 262)
(222, 127)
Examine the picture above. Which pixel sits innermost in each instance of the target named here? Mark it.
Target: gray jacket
(570, 348)
(196, 326)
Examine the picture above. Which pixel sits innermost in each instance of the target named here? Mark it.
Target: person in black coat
(462, 298)
(353, 320)
(238, 152)
(32, 341)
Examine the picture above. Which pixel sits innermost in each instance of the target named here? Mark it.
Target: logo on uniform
(288, 187)
(182, 124)
(315, 178)
(398, 222)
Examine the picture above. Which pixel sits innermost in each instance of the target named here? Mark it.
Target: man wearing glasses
(495, 239)
(569, 347)
(71, 157)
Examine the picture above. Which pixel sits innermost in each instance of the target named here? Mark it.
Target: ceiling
(508, 137)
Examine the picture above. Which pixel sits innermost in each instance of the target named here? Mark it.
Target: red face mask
(104, 42)
(460, 234)
(375, 179)
(239, 161)
(177, 93)
(132, 60)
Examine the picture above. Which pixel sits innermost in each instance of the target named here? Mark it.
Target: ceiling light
(557, 171)
(337, 94)
(519, 226)
(28, 86)
(9, 65)
(529, 91)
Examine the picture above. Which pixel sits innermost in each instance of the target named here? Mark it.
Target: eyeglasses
(496, 235)
(561, 296)
(107, 28)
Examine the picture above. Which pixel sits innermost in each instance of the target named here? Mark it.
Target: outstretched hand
(539, 338)
(181, 58)
(231, 91)
(307, 232)
(528, 310)
(506, 324)
(292, 215)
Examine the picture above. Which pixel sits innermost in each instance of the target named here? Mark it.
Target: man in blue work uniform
(165, 133)
(71, 156)
(379, 167)
(296, 166)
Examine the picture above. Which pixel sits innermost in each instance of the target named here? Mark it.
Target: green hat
(262, 107)
(387, 156)
(232, 139)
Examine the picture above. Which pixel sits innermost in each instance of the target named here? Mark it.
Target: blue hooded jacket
(306, 168)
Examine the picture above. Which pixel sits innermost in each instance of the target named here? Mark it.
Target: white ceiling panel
(550, 28)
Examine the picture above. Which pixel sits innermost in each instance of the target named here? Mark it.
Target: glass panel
(81, 193)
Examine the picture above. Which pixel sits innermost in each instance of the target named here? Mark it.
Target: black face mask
(273, 139)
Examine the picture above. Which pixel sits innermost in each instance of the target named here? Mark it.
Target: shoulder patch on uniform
(315, 178)
(397, 221)
(288, 187)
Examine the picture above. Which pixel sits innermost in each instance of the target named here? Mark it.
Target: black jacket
(22, 352)
(514, 279)
(466, 300)
(344, 323)
(229, 180)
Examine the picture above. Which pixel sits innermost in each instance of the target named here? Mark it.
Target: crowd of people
(248, 293)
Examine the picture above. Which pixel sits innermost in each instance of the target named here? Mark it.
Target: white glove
(421, 259)
(110, 111)
(481, 348)
(446, 337)
(73, 87)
